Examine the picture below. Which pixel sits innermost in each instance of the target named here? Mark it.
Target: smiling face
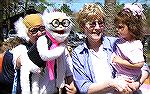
(58, 25)
(91, 21)
(94, 29)
(35, 32)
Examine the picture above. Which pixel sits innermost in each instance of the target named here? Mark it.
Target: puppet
(44, 52)
(58, 27)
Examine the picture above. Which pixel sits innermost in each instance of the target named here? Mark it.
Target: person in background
(92, 69)
(69, 49)
(1, 55)
(7, 66)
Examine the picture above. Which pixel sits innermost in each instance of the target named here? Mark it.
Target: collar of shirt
(107, 44)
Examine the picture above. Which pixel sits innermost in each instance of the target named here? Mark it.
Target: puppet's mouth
(59, 31)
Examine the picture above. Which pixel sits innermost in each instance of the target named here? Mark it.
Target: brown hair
(12, 43)
(134, 23)
(89, 12)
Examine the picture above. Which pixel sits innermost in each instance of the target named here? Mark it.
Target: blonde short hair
(89, 12)
(32, 20)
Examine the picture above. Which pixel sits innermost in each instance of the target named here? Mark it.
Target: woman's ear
(82, 26)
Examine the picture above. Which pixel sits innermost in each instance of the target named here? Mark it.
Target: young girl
(128, 49)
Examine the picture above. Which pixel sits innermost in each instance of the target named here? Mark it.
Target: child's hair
(133, 21)
(88, 13)
(12, 43)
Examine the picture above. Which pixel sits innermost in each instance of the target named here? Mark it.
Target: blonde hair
(89, 12)
(32, 20)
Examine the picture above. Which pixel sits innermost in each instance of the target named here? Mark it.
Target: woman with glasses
(92, 69)
(29, 29)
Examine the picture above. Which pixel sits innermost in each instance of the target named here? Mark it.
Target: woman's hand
(134, 85)
(121, 85)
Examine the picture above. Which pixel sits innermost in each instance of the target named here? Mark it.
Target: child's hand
(117, 59)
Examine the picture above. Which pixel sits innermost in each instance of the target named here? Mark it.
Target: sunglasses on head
(35, 30)
(65, 23)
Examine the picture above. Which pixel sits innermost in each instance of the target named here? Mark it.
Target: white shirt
(101, 68)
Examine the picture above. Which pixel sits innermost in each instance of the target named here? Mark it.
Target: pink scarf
(50, 64)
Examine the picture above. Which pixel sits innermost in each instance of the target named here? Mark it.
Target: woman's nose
(97, 26)
(39, 33)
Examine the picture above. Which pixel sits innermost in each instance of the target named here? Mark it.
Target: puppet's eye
(55, 23)
(65, 22)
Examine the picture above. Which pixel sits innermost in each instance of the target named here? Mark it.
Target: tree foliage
(147, 13)
(109, 9)
(65, 8)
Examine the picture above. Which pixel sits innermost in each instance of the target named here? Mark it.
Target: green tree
(66, 9)
(6, 9)
(147, 13)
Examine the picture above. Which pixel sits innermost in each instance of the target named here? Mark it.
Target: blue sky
(77, 4)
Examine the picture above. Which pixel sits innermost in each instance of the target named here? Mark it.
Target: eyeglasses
(35, 30)
(120, 27)
(65, 23)
(93, 24)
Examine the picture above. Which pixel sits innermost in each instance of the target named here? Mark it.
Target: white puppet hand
(46, 54)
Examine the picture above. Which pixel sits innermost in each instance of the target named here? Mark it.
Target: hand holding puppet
(22, 27)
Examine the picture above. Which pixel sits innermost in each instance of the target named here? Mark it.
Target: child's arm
(119, 60)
